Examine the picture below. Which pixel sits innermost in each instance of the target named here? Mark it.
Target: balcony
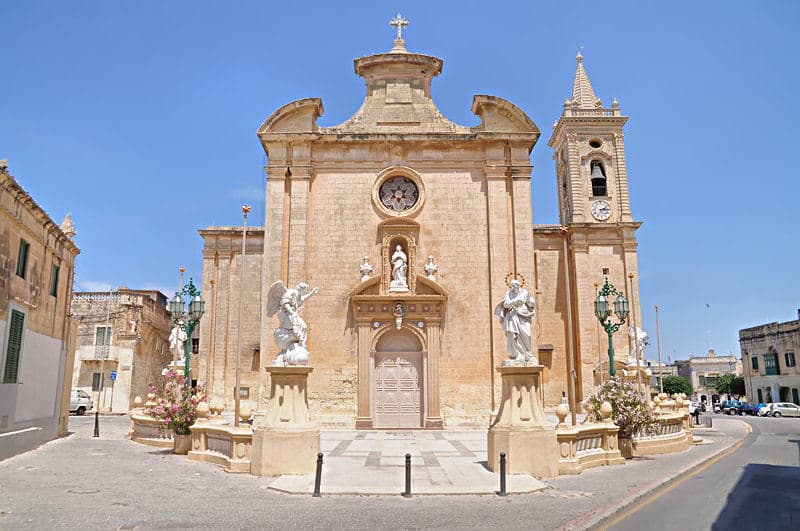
(98, 353)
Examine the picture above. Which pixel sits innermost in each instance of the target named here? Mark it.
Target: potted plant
(629, 411)
(176, 407)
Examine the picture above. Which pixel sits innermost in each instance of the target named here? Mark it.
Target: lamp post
(187, 318)
(602, 310)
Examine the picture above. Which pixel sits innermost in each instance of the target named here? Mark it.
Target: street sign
(112, 375)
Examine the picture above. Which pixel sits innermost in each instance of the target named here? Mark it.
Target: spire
(582, 92)
(67, 227)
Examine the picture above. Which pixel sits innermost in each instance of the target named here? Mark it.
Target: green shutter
(14, 346)
(54, 280)
(22, 258)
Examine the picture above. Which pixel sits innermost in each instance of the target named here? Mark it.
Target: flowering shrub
(176, 405)
(629, 410)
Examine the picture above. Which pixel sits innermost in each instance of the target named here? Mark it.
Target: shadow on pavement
(765, 497)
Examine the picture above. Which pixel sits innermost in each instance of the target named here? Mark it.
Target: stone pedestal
(285, 441)
(521, 429)
(631, 373)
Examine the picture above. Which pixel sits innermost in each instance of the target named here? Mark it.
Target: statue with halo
(292, 332)
(516, 313)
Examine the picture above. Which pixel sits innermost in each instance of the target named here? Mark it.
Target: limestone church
(456, 200)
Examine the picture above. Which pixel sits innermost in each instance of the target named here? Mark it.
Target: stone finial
(606, 410)
(3, 164)
(137, 402)
(431, 269)
(365, 269)
(67, 226)
(561, 412)
(245, 412)
(203, 411)
(590, 418)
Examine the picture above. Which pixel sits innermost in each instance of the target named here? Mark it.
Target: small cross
(399, 22)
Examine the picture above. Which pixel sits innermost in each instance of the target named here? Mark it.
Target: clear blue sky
(139, 117)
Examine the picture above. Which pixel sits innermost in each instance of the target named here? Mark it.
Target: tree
(677, 384)
(729, 384)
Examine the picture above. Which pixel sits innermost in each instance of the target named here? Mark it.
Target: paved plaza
(113, 483)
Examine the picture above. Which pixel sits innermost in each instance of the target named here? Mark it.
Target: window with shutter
(22, 258)
(16, 329)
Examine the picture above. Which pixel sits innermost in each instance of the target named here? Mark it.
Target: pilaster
(622, 178)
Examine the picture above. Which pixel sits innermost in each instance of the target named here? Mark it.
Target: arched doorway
(398, 399)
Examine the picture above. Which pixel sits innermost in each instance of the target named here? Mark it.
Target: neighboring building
(37, 263)
(703, 371)
(398, 173)
(122, 335)
(659, 372)
(769, 358)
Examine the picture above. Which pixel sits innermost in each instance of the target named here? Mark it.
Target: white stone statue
(176, 340)
(290, 336)
(516, 313)
(640, 340)
(431, 269)
(365, 269)
(399, 270)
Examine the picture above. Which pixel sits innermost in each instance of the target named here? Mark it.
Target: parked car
(717, 407)
(746, 408)
(80, 402)
(759, 407)
(731, 407)
(765, 410)
(784, 409)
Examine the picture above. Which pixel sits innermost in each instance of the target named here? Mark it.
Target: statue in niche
(399, 270)
(640, 340)
(516, 314)
(292, 332)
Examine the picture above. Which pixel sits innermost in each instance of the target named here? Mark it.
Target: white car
(80, 402)
(784, 409)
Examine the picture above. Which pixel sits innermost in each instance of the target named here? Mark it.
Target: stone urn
(183, 443)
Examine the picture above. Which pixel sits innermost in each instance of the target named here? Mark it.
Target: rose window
(399, 194)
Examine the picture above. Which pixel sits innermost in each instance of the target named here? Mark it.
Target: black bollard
(502, 474)
(96, 424)
(407, 493)
(318, 479)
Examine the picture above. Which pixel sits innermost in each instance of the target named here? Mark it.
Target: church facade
(413, 227)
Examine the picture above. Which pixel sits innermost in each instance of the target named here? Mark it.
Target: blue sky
(140, 119)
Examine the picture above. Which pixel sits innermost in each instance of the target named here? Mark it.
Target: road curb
(596, 517)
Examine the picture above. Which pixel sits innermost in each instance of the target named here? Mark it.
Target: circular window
(399, 194)
(595, 143)
(398, 191)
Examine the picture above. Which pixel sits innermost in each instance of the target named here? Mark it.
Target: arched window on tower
(598, 176)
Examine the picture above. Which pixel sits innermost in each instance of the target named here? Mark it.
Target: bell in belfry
(597, 171)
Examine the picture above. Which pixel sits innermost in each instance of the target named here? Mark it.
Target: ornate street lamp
(602, 310)
(187, 318)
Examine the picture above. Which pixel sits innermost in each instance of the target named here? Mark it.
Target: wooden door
(398, 398)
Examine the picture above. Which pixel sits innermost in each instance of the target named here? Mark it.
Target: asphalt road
(754, 486)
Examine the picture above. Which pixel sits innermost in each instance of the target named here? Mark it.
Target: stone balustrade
(147, 430)
(586, 446)
(670, 437)
(216, 442)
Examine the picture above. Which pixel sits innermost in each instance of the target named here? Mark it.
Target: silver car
(784, 409)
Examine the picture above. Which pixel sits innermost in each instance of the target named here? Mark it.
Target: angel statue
(640, 340)
(292, 333)
(516, 313)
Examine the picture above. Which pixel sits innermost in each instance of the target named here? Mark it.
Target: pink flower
(175, 407)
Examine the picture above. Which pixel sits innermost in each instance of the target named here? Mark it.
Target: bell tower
(590, 158)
